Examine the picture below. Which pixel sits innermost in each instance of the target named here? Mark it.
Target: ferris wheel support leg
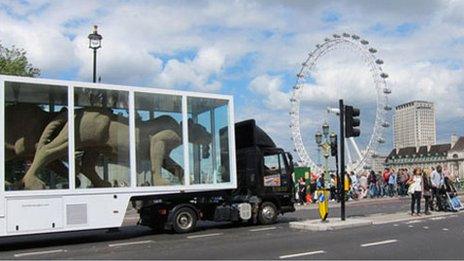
(348, 152)
(356, 148)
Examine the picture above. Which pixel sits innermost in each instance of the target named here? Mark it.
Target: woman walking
(415, 189)
(427, 192)
(301, 191)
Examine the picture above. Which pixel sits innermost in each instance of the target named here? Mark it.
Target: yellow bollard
(323, 202)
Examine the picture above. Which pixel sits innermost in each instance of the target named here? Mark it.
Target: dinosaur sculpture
(22, 136)
(98, 131)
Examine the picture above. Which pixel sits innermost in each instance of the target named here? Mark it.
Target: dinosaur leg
(89, 161)
(159, 147)
(60, 169)
(170, 165)
(56, 149)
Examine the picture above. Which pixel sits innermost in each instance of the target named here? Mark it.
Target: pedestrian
(333, 186)
(392, 183)
(372, 184)
(403, 178)
(415, 189)
(301, 191)
(313, 186)
(380, 185)
(427, 193)
(437, 187)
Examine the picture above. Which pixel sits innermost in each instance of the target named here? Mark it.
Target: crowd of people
(428, 183)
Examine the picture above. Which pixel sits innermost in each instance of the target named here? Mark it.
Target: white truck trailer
(75, 154)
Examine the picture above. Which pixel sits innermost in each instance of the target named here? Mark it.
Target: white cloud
(270, 88)
(197, 73)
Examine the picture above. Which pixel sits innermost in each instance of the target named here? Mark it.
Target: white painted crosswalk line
(204, 235)
(130, 243)
(263, 229)
(303, 254)
(40, 253)
(425, 227)
(445, 229)
(390, 241)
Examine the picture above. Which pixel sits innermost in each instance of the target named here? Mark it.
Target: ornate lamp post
(324, 142)
(95, 43)
(318, 138)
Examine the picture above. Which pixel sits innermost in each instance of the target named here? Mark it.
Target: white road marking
(395, 225)
(445, 229)
(262, 229)
(204, 235)
(410, 226)
(425, 227)
(130, 243)
(303, 254)
(437, 218)
(379, 243)
(40, 253)
(414, 221)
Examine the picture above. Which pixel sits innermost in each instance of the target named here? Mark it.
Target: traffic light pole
(342, 160)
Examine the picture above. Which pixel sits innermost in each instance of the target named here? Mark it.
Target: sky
(253, 51)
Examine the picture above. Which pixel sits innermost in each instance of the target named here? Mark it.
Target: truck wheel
(267, 213)
(185, 220)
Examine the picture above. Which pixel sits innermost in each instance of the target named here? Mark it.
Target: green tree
(13, 61)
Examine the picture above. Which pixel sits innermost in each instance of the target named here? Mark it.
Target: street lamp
(318, 138)
(325, 141)
(95, 43)
(325, 129)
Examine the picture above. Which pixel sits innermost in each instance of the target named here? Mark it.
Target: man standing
(437, 185)
(392, 183)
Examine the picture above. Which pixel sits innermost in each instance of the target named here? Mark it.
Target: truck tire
(185, 220)
(267, 213)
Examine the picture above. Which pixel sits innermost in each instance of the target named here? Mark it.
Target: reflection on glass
(208, 140)
(159, 150)
(101, 136)
(36, 147)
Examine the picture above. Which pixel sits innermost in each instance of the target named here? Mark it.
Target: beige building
(414, 124)
(449, 155)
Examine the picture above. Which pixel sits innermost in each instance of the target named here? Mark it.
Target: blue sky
(253, 50)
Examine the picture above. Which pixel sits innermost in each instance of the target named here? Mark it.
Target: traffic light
(333, 144)
(352, 121)
(333, 149)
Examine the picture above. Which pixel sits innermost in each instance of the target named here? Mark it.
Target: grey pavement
(434, 237)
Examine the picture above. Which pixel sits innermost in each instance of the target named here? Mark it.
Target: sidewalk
(335, 204)
(375, 219)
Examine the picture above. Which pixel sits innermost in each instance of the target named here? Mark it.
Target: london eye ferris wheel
(367, 54)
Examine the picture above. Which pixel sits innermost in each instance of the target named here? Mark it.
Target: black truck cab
(263, 169)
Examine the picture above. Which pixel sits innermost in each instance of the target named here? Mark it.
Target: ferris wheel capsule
(346, 35)
(381, 140)
(384, 75)
(336, 36)
(387, 107)
(355, 37)
(387, 91)
(364, 42)
(385, 124)
(379, 61)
